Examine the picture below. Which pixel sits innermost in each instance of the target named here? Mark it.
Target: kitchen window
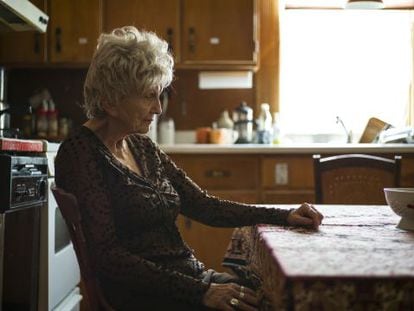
(349, 63)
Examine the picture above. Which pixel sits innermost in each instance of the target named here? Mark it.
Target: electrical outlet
(281, 174)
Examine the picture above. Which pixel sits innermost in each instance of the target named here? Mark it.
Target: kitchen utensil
(243, 123)
(372, 130)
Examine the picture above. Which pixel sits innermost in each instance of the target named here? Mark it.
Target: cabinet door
(159, 16)
(221, 172)
(288, 196)
(219, 31)
(27, 47)
(287, 172)
(74, 28)
(209, 243)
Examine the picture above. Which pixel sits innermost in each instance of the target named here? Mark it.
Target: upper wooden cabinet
(27, 47)
(159, 16)
(198, 31)
(213, 33)
(72, 33)
(73, 30)
(219, 31)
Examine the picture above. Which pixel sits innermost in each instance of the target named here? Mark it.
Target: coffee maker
(243, 123)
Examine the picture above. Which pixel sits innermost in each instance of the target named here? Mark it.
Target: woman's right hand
(230, 296)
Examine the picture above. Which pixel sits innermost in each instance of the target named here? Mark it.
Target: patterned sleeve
(197, 204)
(78, 172)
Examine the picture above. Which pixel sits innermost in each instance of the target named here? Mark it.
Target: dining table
(356, 260)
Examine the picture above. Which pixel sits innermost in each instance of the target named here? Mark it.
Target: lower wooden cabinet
(288, 197)
(251, 178)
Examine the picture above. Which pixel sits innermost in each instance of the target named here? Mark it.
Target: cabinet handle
(36, 47)
(170, 38)
(58, 33)
(218, 173)
(191, 39)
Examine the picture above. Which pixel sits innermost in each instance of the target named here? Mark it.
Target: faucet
(348, 133)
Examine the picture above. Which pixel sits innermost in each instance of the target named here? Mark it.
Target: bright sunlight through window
(351, 64)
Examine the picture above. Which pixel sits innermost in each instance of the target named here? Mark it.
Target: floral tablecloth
(357, 260)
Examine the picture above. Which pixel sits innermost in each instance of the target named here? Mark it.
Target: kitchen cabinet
(28, 46)
(73, 31)
(219, 31)
(159, 16)
(280, 178)
(287, 179)
(199, 32)
(232, 178)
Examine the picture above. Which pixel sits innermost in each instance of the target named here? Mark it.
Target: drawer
(221, 171)
(287, 172)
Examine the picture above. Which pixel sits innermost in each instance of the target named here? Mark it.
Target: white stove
(59, 269)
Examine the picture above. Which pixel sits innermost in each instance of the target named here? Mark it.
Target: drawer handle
(218, 173)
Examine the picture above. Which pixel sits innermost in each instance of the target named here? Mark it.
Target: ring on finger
(234, 302)
(241, 295)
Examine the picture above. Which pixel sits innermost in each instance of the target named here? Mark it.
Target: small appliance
(243, 123)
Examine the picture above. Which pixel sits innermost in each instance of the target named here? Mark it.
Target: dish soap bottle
(276, 134)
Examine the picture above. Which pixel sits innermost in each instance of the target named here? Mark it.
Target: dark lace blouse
(129, 219)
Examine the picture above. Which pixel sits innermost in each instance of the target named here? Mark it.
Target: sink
(315, 138)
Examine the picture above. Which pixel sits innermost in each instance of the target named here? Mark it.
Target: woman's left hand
(305, 215)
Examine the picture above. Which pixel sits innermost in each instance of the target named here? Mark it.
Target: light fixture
(364, 4)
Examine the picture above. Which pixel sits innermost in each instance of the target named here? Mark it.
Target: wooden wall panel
(267, 77)
(191, 107)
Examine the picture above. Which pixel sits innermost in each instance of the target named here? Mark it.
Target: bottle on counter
(276, 134)
(264, 125)
(52, 120)
(28, 124)
(41, 120)
(166, 131)
(64, 128)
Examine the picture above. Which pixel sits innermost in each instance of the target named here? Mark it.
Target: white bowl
(401, 201)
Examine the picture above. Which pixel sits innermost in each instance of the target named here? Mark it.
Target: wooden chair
(68, 206)
(354, 178)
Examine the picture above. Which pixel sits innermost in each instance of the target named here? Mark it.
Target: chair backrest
(68, 206)
(354, 178)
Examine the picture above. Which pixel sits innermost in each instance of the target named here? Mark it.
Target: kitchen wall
(64, 85)
(189, 106)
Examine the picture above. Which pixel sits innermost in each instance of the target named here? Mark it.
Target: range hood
(21, 15)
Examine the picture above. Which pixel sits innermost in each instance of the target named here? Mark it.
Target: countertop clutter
(287, 148)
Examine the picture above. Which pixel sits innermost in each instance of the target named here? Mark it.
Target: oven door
(19, 258)
(59, 273)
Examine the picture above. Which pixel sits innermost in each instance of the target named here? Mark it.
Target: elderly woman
(130, 192)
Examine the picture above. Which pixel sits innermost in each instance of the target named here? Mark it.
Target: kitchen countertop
(287, 148)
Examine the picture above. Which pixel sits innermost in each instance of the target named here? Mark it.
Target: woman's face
(137, 113)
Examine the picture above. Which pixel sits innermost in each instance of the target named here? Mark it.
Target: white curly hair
(127, 62)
